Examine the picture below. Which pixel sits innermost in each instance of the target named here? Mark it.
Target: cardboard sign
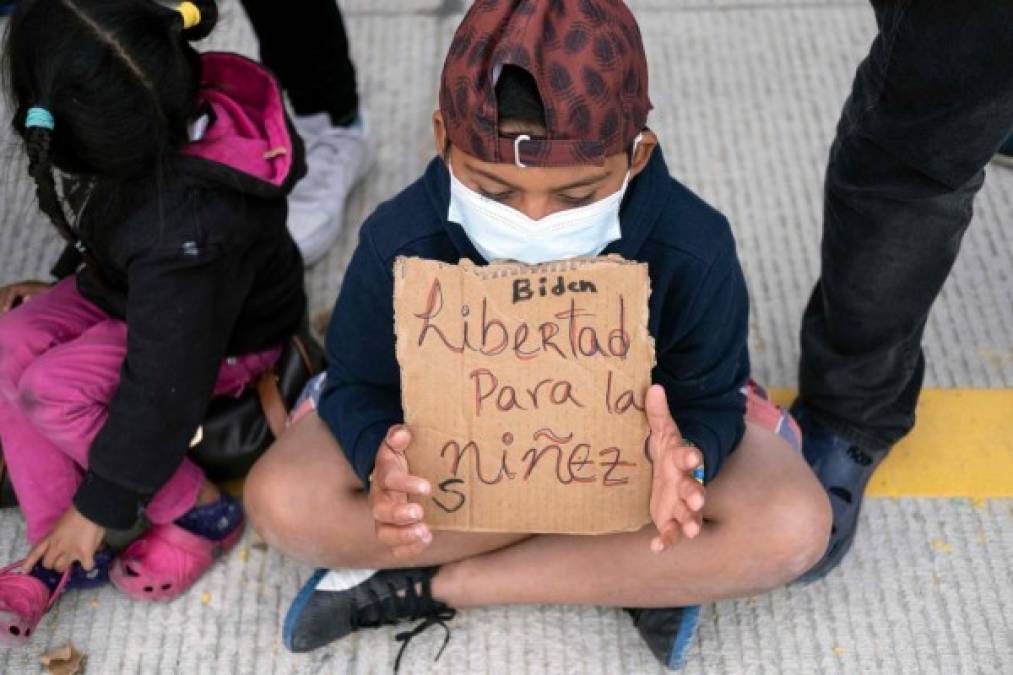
(524, 391)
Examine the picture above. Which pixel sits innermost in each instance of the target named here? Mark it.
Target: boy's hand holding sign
(524, 389)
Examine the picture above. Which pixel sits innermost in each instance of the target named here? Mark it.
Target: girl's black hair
(118, 76)
(518, 100)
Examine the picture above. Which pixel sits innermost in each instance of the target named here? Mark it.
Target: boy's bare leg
(768, 520)
(305, 500)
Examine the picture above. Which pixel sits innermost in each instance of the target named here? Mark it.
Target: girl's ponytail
(38, 140)
(198, 18)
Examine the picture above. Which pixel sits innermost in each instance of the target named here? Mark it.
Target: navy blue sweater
(699, 310)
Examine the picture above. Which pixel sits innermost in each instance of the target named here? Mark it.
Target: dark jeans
(304, 43)
(928, 108)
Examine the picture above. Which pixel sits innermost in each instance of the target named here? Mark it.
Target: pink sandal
(167, 560)
(23, 602)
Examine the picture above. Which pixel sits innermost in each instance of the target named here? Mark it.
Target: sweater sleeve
(362, 399)
(181, 306)
(705, 364)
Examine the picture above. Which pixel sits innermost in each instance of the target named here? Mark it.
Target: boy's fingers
(693, 494)
(689, 458)
(398, 535)
(398, 439)
(659, 417)
(668, 507)
(691, 528)
(661, 505)
(680, 512)
(87, 562)
(402, 481)
(409, 551)
(666, 538)
(395, 513)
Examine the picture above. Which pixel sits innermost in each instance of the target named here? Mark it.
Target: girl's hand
(398, 522)
(74, 538)
(676, 497)
(13, 295)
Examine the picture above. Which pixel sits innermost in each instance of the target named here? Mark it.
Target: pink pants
(60, 360)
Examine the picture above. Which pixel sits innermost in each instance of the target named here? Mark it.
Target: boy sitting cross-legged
(544, 153)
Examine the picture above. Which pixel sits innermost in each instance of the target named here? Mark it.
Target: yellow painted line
(961, 446)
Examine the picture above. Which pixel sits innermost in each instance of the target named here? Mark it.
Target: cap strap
(525, 151)
(517, 150)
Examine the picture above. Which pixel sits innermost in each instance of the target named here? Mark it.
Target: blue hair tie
(39, 117)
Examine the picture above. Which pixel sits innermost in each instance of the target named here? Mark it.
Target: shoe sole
(295, 611)
(683, 637)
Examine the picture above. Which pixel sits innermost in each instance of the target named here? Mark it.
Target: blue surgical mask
(499, 232)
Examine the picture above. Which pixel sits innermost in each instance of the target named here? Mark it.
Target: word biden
(523, 290)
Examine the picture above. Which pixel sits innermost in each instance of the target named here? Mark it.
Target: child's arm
(703, 361)
(362, 399)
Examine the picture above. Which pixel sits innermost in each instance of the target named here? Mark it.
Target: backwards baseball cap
(587, 59)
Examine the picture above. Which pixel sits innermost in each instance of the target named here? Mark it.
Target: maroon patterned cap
(588, 61)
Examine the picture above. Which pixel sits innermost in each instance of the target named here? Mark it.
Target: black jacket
(200, 264)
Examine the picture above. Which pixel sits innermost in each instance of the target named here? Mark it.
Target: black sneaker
(668, 632)
(844, 469)
(334, 603)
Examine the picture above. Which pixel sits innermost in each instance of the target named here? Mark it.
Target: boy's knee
(285, 507)
(267, 494)
(799, 521)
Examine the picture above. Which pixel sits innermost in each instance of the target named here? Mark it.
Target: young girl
(180, 283)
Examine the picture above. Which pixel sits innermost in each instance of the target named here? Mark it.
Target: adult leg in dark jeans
(929, 107)
(307, 49)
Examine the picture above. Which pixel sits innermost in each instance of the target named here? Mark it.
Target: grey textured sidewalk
(747, 93)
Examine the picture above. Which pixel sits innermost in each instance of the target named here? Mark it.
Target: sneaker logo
(858, 456)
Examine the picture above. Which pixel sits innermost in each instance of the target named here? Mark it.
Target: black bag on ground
(237, 431)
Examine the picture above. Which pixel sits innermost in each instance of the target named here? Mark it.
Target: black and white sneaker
(334, 603)
(668, 632)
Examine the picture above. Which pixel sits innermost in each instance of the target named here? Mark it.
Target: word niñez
(571, 463)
